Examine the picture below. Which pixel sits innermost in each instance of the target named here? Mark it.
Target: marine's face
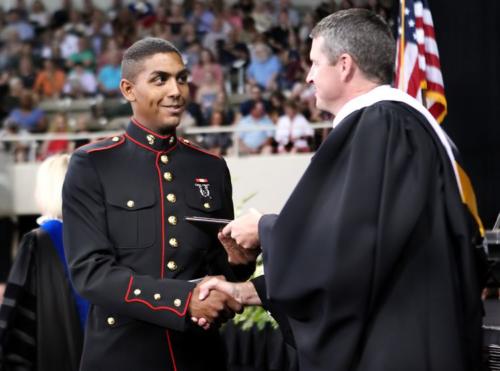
(160, 92)
(325, 77)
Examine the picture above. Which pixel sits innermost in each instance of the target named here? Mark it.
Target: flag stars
(411, 23)
(407, 11)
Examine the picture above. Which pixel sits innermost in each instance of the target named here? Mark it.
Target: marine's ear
(127, 89)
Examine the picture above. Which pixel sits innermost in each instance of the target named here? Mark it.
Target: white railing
(35, 139)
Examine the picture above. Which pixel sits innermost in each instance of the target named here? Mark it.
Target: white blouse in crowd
(295, 130)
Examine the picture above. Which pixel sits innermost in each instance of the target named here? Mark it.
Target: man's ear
(127, 89)
(347, 67)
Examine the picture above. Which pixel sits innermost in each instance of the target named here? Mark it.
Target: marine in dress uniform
(131, 253)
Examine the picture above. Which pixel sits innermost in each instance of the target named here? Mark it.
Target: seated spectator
(27, 72)
(84, 55)
(264, 67)
(17, 149)
(38, 15)
(255, 96)
(81, 127)
(80, 82)
(277, 36)
(201, 17)
(188, 36)
(50, 81)
(109, 75)
(42, 316)
(293, 131)
(217, 35)
(11, 89)
(27, 116)
(176, 19)
(206, 64)
(217, 143)
(277, 102)
(17, 23)
(58, 125)
(206, 94)
(256, 141)
(263, 16)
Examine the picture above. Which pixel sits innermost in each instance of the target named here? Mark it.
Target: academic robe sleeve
(277, 313)
(331, 254)
(96, 273)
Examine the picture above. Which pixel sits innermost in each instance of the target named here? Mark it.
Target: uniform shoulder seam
(188, 144)
(96, 146)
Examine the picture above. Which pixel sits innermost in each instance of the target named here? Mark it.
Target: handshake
(215, 300)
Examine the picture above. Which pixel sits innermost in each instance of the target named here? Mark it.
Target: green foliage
(255, 315)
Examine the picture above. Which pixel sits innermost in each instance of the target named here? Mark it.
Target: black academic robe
(39, 324)
(371, 259)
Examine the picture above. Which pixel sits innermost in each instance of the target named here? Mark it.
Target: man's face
(160, 92)
(325, 77)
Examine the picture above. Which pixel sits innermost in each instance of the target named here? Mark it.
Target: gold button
(168, 176)
(171, 140)
(130, 203)
(171, 198)
(151, 139)
(137, 292)
(186, 141)
(115, 139)
(173, 242)
(172, 220)
(111, 321)
(172, 265)
(206, 205)
(164, 159)
(177, 302)
(157, 296)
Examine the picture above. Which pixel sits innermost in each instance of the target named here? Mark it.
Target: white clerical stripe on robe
(386, 93)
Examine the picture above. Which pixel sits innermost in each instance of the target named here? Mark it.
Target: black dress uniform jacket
(371, 260)
(132, 254)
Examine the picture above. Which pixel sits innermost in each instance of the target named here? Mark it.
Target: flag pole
(402, 46)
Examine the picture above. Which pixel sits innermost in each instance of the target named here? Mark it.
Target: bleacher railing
(33, 141)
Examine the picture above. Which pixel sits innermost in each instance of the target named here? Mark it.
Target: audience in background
(238, 54)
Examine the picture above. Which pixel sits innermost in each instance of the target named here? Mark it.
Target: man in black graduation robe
(371, 261)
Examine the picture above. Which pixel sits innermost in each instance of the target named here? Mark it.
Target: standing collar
(148, 139)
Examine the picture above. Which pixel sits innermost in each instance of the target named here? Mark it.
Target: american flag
(418, 71)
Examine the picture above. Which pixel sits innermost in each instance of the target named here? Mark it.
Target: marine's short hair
(363, 35)
(48, 185)
(135, 55)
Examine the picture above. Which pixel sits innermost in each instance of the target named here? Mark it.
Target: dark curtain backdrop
(468, 38)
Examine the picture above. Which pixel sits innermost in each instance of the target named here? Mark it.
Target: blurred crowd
(248, 62)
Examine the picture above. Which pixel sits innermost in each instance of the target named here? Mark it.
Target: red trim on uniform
(137, 123)
(162, 202)
(201, 180)
(149, 148)
(141, 145)
(171, 350)
(182, 140)
(151, 306)
(121, 141)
